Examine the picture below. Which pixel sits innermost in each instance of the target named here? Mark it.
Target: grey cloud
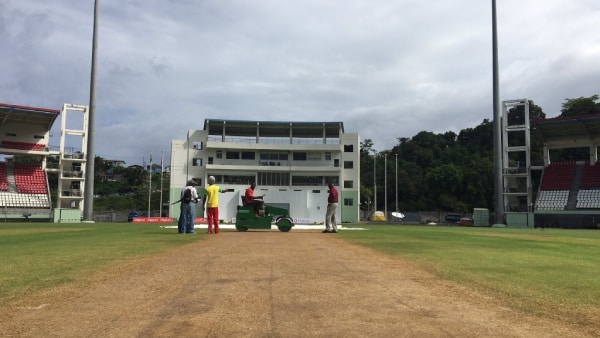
(387, 69)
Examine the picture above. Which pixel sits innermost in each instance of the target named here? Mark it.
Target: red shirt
(333, 195)
(249, 196)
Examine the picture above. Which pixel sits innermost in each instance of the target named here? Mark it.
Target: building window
(348, 164)
(209, 160)
(232, 155)
(348, 148)
(299, 157)
(273, 178)
(348, 184)
(197, 162)
(307, 180)
(232, 179)
(336, 163)
(238, 179)
(219, 154)
(299, 180)
(198, 181)
(273, 159)
(331, 179)
(328, 156)
(273, 156)
(197, 145)
(248, 155)
(349, 201)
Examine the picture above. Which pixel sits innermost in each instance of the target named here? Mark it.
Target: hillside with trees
(449, 171)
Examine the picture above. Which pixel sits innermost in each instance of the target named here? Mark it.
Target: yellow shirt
(212, 191)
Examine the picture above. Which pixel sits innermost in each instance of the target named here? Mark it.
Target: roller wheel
(241, 228)
(285, 224)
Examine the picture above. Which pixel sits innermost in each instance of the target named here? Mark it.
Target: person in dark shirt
(332, 203)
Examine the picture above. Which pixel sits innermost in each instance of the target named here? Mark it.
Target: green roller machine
(245, 218)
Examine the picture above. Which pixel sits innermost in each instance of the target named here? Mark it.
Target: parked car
(133, 214)
(453, 218)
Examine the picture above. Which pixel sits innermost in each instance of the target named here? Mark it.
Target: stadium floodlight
(385, 185)
(498, 186)
(374, 180)
(88, 205)
(396, 182)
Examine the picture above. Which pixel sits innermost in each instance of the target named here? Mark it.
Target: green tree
(136, 176)
(516, 114)
(366, 147)
(581, 106)
(442, 182)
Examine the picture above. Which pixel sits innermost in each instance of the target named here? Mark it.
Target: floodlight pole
(385, 185)
(498, 184)
(396, 182)
(162, 170)
(88, 205)
(374, 181)
(149, 184)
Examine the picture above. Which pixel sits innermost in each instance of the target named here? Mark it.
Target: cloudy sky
(386, 68)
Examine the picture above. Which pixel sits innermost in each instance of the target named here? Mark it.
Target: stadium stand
(558, 176)
(588, 199)
(24, 137)
(27, 201)
(3, 177)
(588, 196)
(591, 176)
(552, 200)
(556, 185)
(30, 179)
(24, 146)
(28, 194)
(560, 181)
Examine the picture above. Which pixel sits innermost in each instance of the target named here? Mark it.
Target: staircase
(572, 200)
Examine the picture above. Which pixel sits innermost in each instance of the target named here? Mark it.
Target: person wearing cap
(211, 204)
(188, 210)
(332, 203)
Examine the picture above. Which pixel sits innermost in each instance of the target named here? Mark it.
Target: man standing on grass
(188, 207)
(211, 204)
(332, 203)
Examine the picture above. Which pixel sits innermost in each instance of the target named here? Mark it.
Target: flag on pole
(162, 156)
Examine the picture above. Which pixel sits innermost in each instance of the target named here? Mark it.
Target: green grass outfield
(551, 272)
(38, 256)
(554, 272)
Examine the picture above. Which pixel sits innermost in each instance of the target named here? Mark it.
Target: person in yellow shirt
(211, 204)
